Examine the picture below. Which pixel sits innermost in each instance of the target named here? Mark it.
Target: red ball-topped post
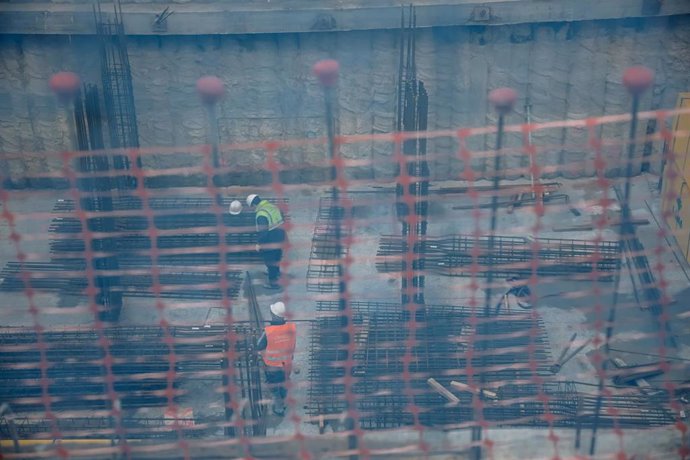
(502, 100)
(637, 79)
(326, 71)
(65, 85)
(211, 90)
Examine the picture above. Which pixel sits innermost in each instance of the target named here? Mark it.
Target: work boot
(279, 408)
(272, 286)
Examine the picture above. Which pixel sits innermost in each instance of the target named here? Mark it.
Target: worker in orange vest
(278, 345)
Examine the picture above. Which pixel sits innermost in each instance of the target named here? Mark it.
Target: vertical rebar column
(116, 77)
(636, 80)
(66, 86)
(414, 220)
(327, 72)
(413, 182)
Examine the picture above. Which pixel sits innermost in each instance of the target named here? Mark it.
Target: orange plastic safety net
(448, 305)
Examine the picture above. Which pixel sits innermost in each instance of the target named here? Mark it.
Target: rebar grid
(510, 354)
(181, 282)
(140, 364)
(439, 351)
(323, 272)
(512, 256)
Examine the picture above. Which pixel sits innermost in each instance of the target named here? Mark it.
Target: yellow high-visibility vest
(271, 212)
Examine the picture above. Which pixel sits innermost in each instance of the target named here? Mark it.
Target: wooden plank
(621, 364)
(322, 424)
(440, 389)
(464, 387)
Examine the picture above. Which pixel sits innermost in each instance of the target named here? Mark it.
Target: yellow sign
(677, 208)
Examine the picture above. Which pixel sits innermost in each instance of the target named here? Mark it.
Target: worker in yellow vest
(278, 345)
(271, 236)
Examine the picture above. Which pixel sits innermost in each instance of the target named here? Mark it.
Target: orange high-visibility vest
(281, 345)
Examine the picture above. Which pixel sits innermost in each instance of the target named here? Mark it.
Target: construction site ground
(566, 306)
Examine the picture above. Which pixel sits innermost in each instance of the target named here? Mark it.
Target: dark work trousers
(273, 256)
(275, 378)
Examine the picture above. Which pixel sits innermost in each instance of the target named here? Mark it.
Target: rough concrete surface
(186, 17)
(566, 306)
(563, 70)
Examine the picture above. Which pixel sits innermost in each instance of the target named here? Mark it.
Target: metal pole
(336, 210)
(503, 100)
(327, 73)
(494, 211)
(229, 430)
(528, 112)
(213, 141)
(636, 80)
(213, 133)
(211, 90)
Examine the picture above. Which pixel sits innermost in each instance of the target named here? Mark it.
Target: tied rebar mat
(456, 371)
(188, 252)
(510, 358)
(323, 271)
(452, 255)
(141, 375)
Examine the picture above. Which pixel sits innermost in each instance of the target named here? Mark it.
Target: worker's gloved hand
(258, 247)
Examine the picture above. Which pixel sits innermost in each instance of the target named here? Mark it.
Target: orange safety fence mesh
(133, 303)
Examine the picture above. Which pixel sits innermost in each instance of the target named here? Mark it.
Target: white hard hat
(250, 198)
(278, 309)
(235, 207)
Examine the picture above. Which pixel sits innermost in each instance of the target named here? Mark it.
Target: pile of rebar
(67, 277)
(438, 349)
(99, 427)
(464, 255)
(68, 364)
(391, 366)
(322, 273)
(184, 223)
(188, 246)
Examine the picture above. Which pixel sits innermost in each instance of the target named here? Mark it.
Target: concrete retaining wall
(564, 70)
